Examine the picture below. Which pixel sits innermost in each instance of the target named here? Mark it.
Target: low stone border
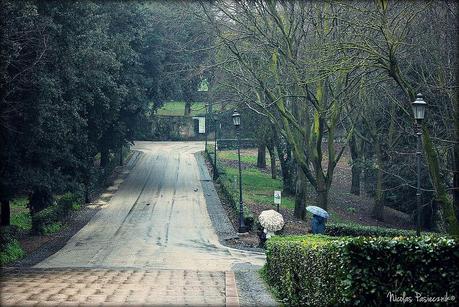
(232, 299)
(217, 214)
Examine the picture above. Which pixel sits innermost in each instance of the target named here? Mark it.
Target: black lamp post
(205, 127)
(215, 146)
(237, 124)
(419, 107)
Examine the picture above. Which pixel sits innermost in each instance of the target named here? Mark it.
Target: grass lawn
(20, 215)
(177, 108)
(257, 186)
(246, 157)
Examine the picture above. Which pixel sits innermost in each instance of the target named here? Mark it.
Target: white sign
(277, 197)
(202, 125)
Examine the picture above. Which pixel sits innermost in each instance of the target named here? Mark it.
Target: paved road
(151, 243)
(156, 219)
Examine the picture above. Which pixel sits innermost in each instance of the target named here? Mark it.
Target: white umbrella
(318, 211)
(271, 220)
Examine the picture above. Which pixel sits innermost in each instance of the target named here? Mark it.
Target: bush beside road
(367, 271)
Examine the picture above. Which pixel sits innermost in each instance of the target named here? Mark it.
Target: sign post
(277, 199)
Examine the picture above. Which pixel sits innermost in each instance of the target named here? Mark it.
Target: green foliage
(69, 202)
(51, 219)
(232, 156)
(45, 218)
(11, 252)
(341, 230)
(355, 230)
(20, 215)
(51, 228)
(22, 220)
(7, 235)
(84, 82)
(302, 270)
(323, 271)
(257, 186)
(10, 249)
(377, 266)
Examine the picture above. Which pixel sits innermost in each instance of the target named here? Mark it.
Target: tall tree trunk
(300, 194)
(285, 160)
(87, 198)
(441, 195)
(322, 199)
(378, 207)
(368, 171)
(121, 156)
(261, 157)
(322, 192)
(272, 155)
(5, 212)
(456, 162)
(104, 157)
(356, 167)
(187, 108)
(355, 183)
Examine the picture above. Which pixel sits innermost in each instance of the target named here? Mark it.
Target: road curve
(156, 220)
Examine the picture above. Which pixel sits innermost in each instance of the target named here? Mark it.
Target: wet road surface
(156, 219)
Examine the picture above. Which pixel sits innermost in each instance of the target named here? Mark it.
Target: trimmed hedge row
(43, 220)
(355, 230)
(323, 270)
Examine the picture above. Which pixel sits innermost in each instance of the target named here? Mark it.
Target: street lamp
(419, 108)
(205, 126)
(204, 87)
(215, 146)
(237, 124)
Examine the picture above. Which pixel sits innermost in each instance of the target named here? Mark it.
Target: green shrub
(10, 249)
(50, 220)
(44, 218)
(52, 228)
(322, 270)
(8, 235)
(301, 270)
(69, 202)
(11, 252)
(379, 266)
(355, 230)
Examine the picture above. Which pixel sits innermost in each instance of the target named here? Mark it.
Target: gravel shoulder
(251, 288)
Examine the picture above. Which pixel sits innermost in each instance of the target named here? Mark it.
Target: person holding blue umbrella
(319, 218)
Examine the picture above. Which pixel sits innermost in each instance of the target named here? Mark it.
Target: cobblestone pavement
(90, 287)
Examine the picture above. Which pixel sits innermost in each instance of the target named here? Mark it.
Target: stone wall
(174, 128)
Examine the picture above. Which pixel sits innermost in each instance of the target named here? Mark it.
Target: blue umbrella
(318, 211)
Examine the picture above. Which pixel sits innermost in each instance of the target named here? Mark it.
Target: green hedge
(355, 230)
(322, 270)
